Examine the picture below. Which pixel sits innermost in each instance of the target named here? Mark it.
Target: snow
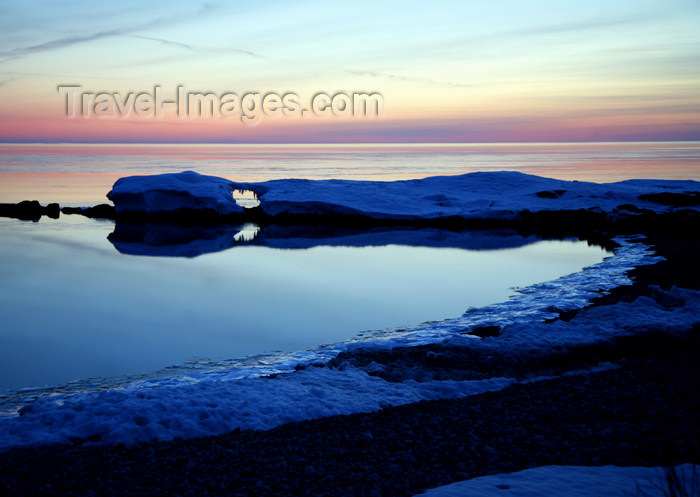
(475, 195)
(162, 193)
(572, 481)
(487, 195)
(209, 406)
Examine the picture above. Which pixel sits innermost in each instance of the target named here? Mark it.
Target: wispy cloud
(195, 48)
(577, 26)
(68, 41)
(62, 42)
(162, 41)
(398, 77)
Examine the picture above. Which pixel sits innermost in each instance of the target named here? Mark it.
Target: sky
(462, 71)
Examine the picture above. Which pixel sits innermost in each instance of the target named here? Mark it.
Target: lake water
(82, 174)
(74, 305)
(83, 298)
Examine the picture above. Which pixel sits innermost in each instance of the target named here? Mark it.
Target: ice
(210, 406)
(489, 195)
(475, 195)
(163, 193)
(571, 481)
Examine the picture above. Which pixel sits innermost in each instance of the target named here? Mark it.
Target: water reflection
(72, 306)
(178, 240)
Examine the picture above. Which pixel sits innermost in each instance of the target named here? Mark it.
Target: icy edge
(211, 403)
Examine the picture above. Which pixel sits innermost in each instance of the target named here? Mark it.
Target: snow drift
(481, 195)
(164, 193)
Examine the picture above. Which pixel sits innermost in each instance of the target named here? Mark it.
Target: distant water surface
(82, 174)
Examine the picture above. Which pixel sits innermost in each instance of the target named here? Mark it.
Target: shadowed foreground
(645, 413)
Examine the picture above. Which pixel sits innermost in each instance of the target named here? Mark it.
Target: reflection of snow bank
(572, 481)
(162, 193)
(177, 240)
(215, 402)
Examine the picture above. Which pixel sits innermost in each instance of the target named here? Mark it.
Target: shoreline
(630, 399)
(642, 411)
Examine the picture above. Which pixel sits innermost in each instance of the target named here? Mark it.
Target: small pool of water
(75, 305)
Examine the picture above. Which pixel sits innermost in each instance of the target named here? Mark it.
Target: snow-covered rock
(487, 195)
(164, 193)
(572, 481)
(483, 195)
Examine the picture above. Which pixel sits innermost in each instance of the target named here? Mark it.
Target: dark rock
(52, 210)
(629, 208)
(101, 211)
(486, 331)
(27, 210)
(551, 194)
(670, 199)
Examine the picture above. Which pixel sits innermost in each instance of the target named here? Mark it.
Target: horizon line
(253, 143)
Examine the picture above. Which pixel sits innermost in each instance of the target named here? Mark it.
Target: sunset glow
(448, 71)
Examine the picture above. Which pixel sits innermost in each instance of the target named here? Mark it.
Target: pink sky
(500, 71)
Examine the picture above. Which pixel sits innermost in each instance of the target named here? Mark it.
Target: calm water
(73, 306)
(83, 174)
(83, 298)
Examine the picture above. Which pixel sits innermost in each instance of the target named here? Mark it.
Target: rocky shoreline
(642, 409)
(645, 413)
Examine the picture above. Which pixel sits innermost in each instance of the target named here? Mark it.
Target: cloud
(397, 77)
(163, 41)
(194, 48)
(60, 43)
(575, 26)
(68, 41)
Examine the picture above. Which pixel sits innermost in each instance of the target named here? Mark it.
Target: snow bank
(484, 195)
(572, 481)
(476, 195)
(163, 193)
(212, 406)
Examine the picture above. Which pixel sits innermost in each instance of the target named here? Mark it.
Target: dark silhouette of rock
(629, 208)
(27, 210)
(101, 211)
(30, 210)
(52, 210)
(551, 194)
(486, 331)
(687, 199)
